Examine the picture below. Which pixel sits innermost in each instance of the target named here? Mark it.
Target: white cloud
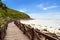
(46, 15)
(41, 6)
(22, 10)
(50, 7)
(44, 8)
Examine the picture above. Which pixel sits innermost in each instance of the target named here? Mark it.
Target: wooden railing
(3, 31)
(33, 34)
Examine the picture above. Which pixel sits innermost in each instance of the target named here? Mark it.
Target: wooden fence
(3, 31)
(33, 34)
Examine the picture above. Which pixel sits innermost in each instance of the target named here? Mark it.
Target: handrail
(3, 31)
(33, 33)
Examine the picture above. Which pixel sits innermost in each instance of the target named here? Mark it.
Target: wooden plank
(47, 36)
(36, 32)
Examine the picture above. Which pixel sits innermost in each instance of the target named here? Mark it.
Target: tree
(4, 8)
(0, 3)
(0, 0)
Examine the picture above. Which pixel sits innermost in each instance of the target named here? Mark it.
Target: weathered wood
(3, 31)
(33, 33)
(36, 34)
(14, 33)
(47, 36)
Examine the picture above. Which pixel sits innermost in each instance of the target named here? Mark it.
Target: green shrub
(1, 22)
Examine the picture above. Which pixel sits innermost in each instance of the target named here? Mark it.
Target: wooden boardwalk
(13, 33)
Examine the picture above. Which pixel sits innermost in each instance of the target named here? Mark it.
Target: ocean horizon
(55, 23)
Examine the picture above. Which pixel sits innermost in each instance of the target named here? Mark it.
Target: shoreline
(50, 23)
(44, 29)
(30, 31)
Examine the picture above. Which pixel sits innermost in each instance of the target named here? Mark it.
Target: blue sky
(36, 8)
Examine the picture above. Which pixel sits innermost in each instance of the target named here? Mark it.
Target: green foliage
(16, 14)
(7, 12)
(13, 14)
(1, 22)
(0, 3)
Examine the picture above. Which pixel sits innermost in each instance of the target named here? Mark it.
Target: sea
(55, 23)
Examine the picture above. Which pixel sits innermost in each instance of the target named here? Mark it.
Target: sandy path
(13, 33)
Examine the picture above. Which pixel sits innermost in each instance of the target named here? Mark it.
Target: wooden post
(0, 33)
(23, 27)
(32, 31)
